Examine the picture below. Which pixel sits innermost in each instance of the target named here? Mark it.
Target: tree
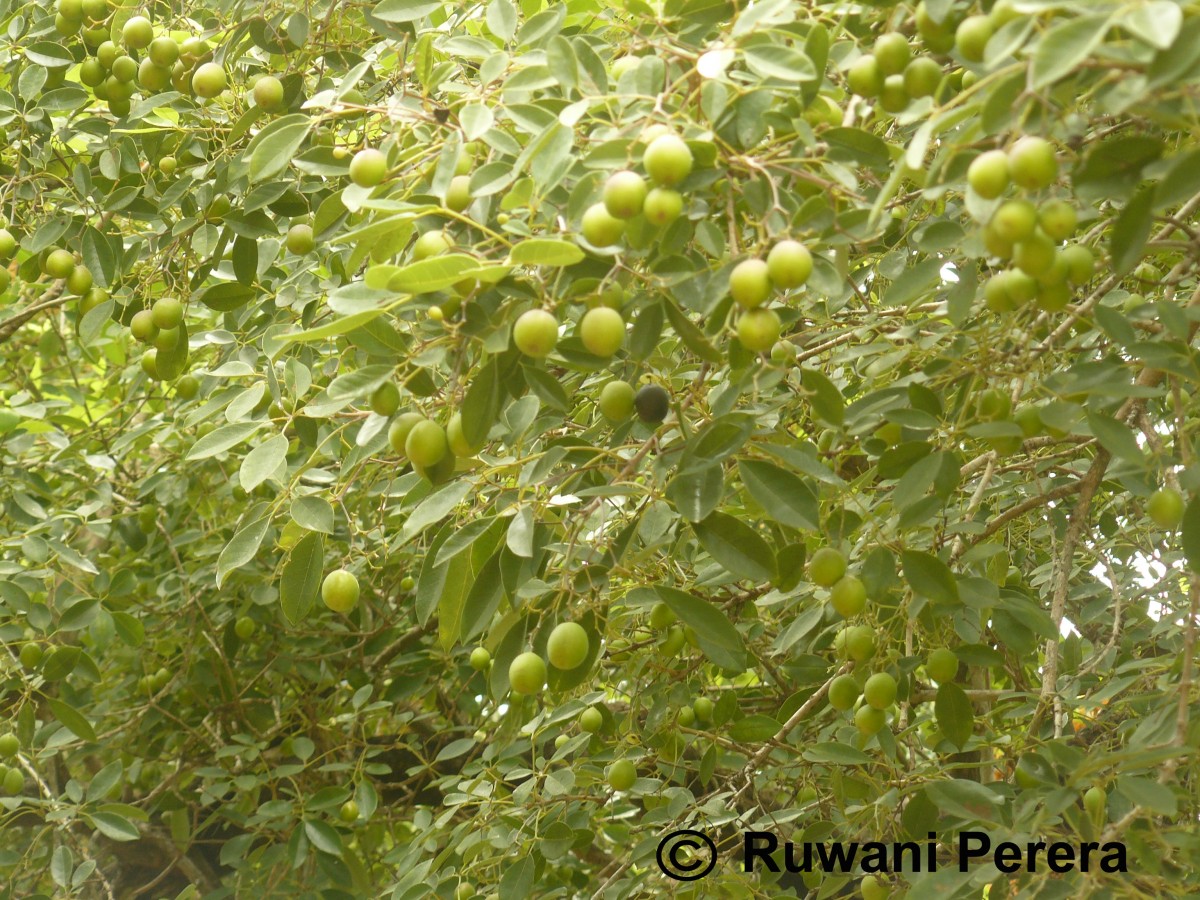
(911, 296)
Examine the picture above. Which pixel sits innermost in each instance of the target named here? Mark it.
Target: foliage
(973, 408)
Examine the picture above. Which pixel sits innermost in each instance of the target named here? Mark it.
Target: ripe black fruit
(652, 403)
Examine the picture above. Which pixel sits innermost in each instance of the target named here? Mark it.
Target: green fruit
(398, 432)
(167, 165)
(244, 628)
(385, 399)
(602, 331)
(661, 616)
(209, 80)
(996, 292)
(872, 888)
(79, 281)
(971, 37)
(426, 444)
(668, 160)
(268, 93)
(673, 642)
(527, 674)
(783, 352)
(167, 339)
(826, 567)
(848, 596)
(864, 77)
(703, 708)
(568, 645)
(1095, 801)
(624, 194)
(480, 659)
(407, 583)
(368, 167)
(750, 283)
(217, 209)
(9, 745)
(535, 333)
(1053, 297)
(662, 206)
(941, 665)
(457, 439)
(1165, 508)
(167, 312)
(1079, 262)
(458, 194)
(300, 239)
(652, 403)
(893, 98)
(922, 77)
(860, 643)
(1036, 255)
(8, 244)
(1030, 421)
(869, 720)
(91, 73)
(686, 717)
(843, 692)
(153, 78)
(993, 404)
(348, 812)
(1014, 221)
(142, 326)
(1058, 219)
(789, 264)
(1032, 164)
(616, 401)
(464, 891)
(880, 690)
(137, 33)
(58, 263)
(758, 329)
(71, 10)
(124, 69)
(163, 52)
(621, 775)
(187, 387)
(892, 52)
(431, 243)
(988, 174)
(591, 720)
(14, 782)
(31, 655)
(340, 591)
(599, 227)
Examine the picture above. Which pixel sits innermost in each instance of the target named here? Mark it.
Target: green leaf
(1190, 534)
(736, 546)
(691, 335)
(502, 19)
(49, 54)
(323, 837)
(333, 329)
(954, 714)
(1156, 23)
(221, 439)
(1132, 228)
(718, 639)
(424, 276)
(965, 799)
(71, 719)
(779, 61)
(113, 826)
(1064, 46)
(61, 663)
(545, 252)
(262, 462)
(276, 145)
(360, 382)
(784, 496)
(837, 754)
(242, 547)
(301, 577)
(753, 729)
(405, 10)
(914, 283)
(1116, 438)
(1148, 794)
(481, 405)
(227, 296)
(929, 577)
(826, 400)
(697, 492)
(314, 513)
(435, 507)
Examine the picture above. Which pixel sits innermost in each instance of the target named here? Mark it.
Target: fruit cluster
(1043, 268)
